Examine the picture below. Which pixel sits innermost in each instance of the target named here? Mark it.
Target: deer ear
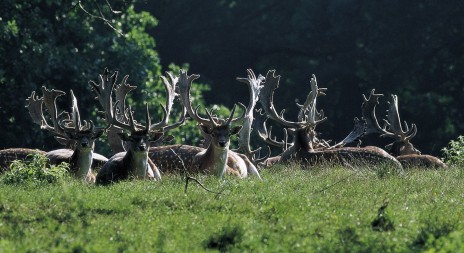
(123, 136)
(235, 130)
(61, 140)
(154, 136)
(206, 129)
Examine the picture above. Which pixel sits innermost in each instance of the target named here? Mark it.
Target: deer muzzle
(142, 146)
(85, 143)
(222, 143)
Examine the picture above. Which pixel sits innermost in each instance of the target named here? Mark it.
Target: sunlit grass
(291, 210)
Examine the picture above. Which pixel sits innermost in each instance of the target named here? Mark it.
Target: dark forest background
(414, 49)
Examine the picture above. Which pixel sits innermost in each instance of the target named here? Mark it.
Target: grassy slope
(291, 210)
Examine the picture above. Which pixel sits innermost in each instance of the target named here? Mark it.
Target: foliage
(411, 49)
(454, 153)
(35, 171)
(57, 44)
(291, 210)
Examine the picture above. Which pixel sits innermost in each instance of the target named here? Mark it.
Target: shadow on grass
(225, 239)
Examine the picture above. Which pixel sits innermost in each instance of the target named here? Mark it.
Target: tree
(63, 45)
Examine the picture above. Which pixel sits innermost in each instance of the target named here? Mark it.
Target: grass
(291, 210)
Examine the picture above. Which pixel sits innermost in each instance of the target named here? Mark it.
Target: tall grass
(291, 210)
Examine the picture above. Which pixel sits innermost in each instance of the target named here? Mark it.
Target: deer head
(212, 127)
(219, 130)
(67, 128)
(309, 117)
(135, 136)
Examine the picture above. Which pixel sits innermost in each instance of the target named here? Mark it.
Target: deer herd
(139, 153)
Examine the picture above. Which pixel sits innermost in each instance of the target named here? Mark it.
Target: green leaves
(63, 45)
(36, 171)
(454, 153)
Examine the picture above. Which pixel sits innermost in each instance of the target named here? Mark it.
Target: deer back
(179, 159)
(346, 156)
(7, 156)
(176, 158)
(421, 161)
(116, 170)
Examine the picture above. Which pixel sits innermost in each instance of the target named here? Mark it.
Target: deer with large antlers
(67, 128)
(401, 148)
(134, 161)
(306, 147)
(216, 158)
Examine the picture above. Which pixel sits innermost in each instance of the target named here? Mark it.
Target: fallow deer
(306, 147)
(216, 159)
(134, 162)
(67, 127)
(401, 148)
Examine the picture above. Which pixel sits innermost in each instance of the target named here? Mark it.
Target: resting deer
(401, 148)
(67, 128)
(216, 158)
(306, 148)
(134, 162)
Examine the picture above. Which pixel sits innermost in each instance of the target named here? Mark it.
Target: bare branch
(188, 177)
(101, 16)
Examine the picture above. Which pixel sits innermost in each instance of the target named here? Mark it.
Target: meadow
(327, 209)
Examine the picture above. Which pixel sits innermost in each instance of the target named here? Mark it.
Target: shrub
(454, 153)
(36, 171)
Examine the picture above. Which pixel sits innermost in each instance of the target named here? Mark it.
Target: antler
(368, 112)
(308, 112)
(170, 86)
(116, 114)
(254, 86)
(185, 84)
(395, 130)
(264, 134)
(308, 115)
(36, 111)
(104, 94)
(74, 125)
(393, 124)
(267, 101)
(358, 131)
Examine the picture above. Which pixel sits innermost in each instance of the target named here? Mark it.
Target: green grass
(291, 210)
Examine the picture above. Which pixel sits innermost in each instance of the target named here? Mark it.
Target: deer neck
(215, 159)
(81, 161)
(137, 163)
